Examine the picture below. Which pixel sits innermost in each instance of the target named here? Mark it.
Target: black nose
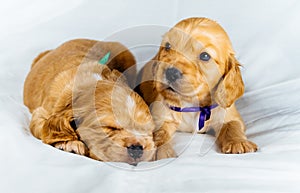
(135, 151)
(172, 74)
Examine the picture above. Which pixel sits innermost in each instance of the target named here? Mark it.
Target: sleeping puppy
(193, 82)
(87, 108)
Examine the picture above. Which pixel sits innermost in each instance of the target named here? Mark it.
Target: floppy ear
(52, 128)
(231, 87)
(154, 63)
(39, 116)
(57, 128)
(58, 125)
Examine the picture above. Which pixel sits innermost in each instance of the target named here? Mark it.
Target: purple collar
(204, 112)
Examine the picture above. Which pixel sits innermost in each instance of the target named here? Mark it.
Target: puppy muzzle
(172, 74)
(135, 151)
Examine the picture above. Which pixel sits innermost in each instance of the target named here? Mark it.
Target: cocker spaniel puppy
(80, 105)
(193, 82)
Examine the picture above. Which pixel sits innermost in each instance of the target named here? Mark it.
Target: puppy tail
(41, 55)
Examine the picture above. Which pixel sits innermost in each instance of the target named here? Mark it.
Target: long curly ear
(57, 127)
(146, 83)
(39, 117)
(52, 128)
(231, 87)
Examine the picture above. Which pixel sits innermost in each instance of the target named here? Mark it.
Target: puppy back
(71, 54)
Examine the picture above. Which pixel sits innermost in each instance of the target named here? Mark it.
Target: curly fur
(202, 83)
(68, 85)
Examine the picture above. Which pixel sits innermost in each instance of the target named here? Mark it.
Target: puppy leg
(232, 139)
(74, 146)
(162, 139)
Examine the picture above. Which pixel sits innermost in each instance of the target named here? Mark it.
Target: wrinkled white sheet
(265, 35)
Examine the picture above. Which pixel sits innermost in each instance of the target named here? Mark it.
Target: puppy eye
(74, 123)
(167, 46)
(113, 128)
(204, 56)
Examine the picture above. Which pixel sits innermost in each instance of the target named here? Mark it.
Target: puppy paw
(77, 147)
(238, 147)
(165, 151)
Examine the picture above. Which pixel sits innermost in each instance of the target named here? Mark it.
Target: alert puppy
(81, 106)
(195, 72)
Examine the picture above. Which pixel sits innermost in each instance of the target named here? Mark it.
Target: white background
(265, 36)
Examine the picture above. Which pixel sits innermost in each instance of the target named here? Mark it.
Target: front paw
(165, 151)
(238, 147)
(76, 146)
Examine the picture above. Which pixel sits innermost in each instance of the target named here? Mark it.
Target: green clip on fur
(104, 59)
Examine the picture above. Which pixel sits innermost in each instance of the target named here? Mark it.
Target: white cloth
(265, 36)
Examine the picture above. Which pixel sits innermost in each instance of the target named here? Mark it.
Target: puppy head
(196, 63)
(118, 125)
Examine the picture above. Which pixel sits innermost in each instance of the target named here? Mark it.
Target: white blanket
(265, 35)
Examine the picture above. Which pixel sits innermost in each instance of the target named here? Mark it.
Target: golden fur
(201, 83)
(81, 106)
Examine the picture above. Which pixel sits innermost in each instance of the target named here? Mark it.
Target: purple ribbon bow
(205, 112)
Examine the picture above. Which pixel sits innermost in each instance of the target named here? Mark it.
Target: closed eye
(113, 128)
(74, 123)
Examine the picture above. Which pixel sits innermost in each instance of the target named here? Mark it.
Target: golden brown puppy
(195, 77)
(81, 106)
